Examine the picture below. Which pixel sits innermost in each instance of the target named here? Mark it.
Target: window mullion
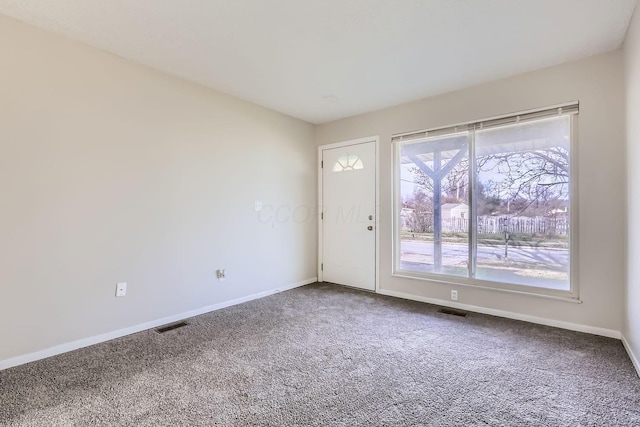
(473, 216)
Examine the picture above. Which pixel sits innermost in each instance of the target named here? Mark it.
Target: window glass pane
(522, 199)
(348, 162)
(434, 211)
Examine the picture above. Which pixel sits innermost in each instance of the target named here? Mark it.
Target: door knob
(370, 228)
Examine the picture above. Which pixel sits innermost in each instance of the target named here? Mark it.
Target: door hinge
(321, 215)
(321, 267)
(321, 164)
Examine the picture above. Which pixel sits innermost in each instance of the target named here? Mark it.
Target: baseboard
(85, 342)
(508, 314)
(632, 356)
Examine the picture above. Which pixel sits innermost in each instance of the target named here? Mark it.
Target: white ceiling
(321, 60)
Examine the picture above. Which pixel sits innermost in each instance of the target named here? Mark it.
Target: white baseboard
(85, 342)
(508, 314)
(632, 356)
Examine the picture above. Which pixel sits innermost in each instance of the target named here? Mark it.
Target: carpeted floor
(323, 355)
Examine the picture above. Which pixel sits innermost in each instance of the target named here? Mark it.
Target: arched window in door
(348, 162)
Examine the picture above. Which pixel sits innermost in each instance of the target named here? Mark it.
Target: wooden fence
(551, 226)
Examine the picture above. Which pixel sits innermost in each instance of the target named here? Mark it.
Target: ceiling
(321, 60)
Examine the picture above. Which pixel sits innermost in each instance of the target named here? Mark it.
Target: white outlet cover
(257, 206)
(121, 289)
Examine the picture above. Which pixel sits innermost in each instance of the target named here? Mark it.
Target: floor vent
(453, 312)
(170, 327)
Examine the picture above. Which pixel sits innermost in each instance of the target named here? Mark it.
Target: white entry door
(348, 215)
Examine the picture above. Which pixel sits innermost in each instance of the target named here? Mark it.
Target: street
(458, 253)
(529, 266)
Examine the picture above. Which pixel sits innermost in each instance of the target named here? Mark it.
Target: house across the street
(455, 210)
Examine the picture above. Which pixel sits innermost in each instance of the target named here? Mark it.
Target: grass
(515, 240)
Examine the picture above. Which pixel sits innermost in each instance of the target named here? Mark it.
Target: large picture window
(488, 203)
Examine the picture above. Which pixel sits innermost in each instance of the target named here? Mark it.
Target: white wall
(631, 326)
(111, 171)
(597, 84)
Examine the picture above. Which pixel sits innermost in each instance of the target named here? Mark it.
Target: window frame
(571, 295)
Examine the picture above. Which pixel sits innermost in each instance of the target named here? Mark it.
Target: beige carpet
(323, 355)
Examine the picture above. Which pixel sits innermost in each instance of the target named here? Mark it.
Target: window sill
(565, 296)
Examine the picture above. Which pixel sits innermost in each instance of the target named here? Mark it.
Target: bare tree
(455, 186)
(421, 218)
(535, 178)
(534, 181)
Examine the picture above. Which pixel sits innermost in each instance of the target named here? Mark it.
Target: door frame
(376, 140)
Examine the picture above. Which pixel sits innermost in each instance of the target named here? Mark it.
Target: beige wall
(597, 84)
(631, 326)
(113, 172)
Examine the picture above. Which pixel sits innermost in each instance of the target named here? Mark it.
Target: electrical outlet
(222, 274)
(121, 289)
(257, 206)
(454, 295)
